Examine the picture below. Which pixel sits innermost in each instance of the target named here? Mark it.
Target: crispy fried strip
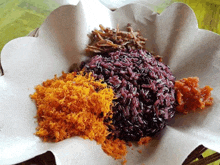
(106, 40)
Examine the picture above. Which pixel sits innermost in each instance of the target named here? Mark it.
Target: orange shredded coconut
(129, 144)
(124, 162)
(144, 140)
(76, 105)
(190, 97)
(116, 148)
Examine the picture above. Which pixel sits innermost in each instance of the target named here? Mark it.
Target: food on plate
(144, 140)
(122, 94)
(108, 40)
(115, 147)
(72, 105)
(144, 90)
(76, 105)
(124, 162)
(190, 97)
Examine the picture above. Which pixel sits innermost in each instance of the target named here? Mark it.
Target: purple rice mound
(144, 89)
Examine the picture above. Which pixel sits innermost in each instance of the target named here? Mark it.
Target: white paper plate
(28, 61)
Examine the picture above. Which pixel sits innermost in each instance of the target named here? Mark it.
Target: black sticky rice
(144, 88)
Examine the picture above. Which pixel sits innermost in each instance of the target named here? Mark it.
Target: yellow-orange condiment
(190, 97)
(144, 140)
(76, 105)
